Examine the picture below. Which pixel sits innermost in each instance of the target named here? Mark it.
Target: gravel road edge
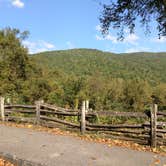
(17, 161)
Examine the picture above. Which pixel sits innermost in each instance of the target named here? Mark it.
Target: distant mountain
(84, 62)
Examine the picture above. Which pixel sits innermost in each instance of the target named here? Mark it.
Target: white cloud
(137, 49)
(161, 40)
(17, 3)
(108, 37)
(112, 38)
(38, 46)
(70, 45)
(98, 28)
(126, 30)
(131, 38)
(47, 45)
(99, 37)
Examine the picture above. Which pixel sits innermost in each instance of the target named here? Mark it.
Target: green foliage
(35, 89)
(109, 81)
(88, 62)
(137, 94)
(159, 94)
(122, 14)
(19, 77)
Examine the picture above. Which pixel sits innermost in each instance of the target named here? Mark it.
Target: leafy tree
(96, 91)
(35, 89)
(114, 94)
(13, 59)
(136, 94)
(56, 95)
(124, 13)
(19, 76)
(159, 94)
(72, 88)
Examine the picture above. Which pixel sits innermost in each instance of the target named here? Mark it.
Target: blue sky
(67, 24)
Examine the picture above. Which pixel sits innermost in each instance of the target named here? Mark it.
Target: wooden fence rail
(151, 132)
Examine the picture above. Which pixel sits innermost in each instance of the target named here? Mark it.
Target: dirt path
(52, 150)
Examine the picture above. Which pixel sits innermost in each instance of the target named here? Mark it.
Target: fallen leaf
(30, 126)
(157, 161)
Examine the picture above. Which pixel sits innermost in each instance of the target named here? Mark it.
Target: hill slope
(81, 62)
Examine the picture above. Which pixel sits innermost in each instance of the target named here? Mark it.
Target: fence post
(83, 127)
(153, 123)
(87, 106)
(8, 101)
(38, 105)
(2, 108)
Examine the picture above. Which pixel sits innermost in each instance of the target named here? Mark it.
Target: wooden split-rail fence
(151, 132)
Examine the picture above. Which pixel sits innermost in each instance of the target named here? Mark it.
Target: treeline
(20, 79)
(107, 93)
(24, 80)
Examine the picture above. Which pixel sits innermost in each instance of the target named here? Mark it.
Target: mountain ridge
(93, 49)
(82, 62)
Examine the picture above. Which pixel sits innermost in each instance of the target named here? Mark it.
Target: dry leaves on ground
(92, 138)
(5, 163)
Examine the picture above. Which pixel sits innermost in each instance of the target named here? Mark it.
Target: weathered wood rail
(152, 132)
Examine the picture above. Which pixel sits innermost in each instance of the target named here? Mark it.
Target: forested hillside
(110, 81)
(121, 82)
(81, 62)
